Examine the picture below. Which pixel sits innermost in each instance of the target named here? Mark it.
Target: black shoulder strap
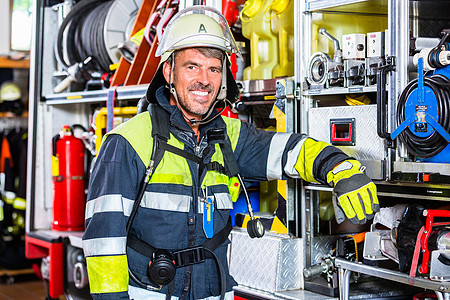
(219, 238)
(140, 246)
(160, 122)
(231, 165)
(160, 134)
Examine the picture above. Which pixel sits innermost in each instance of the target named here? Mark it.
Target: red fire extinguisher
(68, 182)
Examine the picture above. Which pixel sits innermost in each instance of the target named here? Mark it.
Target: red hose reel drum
(68, 182)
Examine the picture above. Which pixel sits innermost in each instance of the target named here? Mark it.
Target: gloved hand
(355, 192)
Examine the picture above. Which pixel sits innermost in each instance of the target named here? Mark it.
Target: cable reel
(94, 28)
(423, 110)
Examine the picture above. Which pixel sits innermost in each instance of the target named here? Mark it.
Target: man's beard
(191, 108)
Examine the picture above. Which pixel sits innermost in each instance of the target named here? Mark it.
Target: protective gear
(168, 198)
(356, 193)
(11, 98)
(198, 26)
(171, 213)
(9, 91)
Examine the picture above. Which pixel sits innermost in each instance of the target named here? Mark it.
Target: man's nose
(203, 77)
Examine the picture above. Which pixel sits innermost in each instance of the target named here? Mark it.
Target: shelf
(417, 191)
(434, 192)
(341, 90)
(349, 6)
(256, 88)
(422, 167)
(317, 187)
(380, 289)
(123, 93)
(250, 88)
(10, 115)
(396, 276)
(5, 62)
(10, 121)
(251, 293)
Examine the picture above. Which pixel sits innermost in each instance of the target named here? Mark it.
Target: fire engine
(370, 77)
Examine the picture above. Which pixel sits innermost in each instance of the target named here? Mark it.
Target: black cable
(81, 34)
(433, 144)
(92, 35)
(69, 23)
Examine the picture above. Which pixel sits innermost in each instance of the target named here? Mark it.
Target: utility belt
(163, 263)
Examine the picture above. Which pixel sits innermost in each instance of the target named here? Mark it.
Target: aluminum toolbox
(272, 263)
(367, 146)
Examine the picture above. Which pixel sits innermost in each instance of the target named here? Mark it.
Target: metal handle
(337, 49)
(63, 84)
(382, 123)
(332, 38)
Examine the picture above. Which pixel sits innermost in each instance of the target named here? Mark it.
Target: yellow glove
(355, 192)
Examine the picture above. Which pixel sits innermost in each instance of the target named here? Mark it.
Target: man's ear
(166, 71)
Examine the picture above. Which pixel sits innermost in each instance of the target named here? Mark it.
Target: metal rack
(346, 267)
(336, 91)
(123, 93)
(49, 111)
(399, 178)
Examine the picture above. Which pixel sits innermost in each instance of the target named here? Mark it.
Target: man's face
(197, 80)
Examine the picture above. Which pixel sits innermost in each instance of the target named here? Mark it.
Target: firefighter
(171, 243)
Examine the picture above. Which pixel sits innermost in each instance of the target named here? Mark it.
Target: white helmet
(198, 26)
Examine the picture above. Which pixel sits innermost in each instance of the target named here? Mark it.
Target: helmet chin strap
(221, 97)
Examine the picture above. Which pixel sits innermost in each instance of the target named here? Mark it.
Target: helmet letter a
(202, 28)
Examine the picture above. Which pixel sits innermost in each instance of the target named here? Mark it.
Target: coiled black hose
(84, 28)
(433, 144)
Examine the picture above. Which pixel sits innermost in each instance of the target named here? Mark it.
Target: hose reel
(423, 110)
(92, 30)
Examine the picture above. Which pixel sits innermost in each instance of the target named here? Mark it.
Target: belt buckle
(189, 256)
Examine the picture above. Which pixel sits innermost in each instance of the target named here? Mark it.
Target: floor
(22, 287)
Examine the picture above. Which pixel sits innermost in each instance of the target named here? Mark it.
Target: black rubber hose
(71, 23)
(431, 145)
(92, 38)
(74, 16)
(425, 146)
